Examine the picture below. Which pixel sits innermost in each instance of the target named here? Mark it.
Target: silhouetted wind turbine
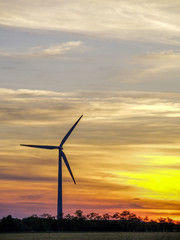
(61, 156)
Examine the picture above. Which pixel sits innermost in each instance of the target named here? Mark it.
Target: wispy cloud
(154, 112)
(44, 52)
(158, 65)
(11, 177)
(140, 20)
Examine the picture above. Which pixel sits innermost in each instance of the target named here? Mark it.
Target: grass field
(93, 236)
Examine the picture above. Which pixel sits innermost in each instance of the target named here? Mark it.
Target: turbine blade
(70, 131)
(67, 165)
(40, 146)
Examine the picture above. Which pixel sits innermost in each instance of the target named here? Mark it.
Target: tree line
(124, 221)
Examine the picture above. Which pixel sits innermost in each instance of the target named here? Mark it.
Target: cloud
(124, 117)
(115, 152)
(144, 207)
(162, 65)
(140, 20)
(51, 51)
(14, 177)
(24, 210)
(32, 197)
(30, 203)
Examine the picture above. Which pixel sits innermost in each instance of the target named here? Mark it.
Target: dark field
(93, 236)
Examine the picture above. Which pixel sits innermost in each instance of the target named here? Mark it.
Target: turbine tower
(61, 156)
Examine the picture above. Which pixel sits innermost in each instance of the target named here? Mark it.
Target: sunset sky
(117, 63)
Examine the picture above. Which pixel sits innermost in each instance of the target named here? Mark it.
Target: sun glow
(158, 180)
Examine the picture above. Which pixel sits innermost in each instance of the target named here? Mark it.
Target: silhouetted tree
(116, 216)
(79, 214)
(9, 224)
(69, 217)
(94, 216)
(106, 216)
(124, 221)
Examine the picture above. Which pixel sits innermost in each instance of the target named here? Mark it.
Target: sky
(117, 63)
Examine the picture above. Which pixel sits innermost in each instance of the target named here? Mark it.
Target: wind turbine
(61, 156)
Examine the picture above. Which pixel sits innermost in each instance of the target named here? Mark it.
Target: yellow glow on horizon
(160, 180)
(163, 160)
